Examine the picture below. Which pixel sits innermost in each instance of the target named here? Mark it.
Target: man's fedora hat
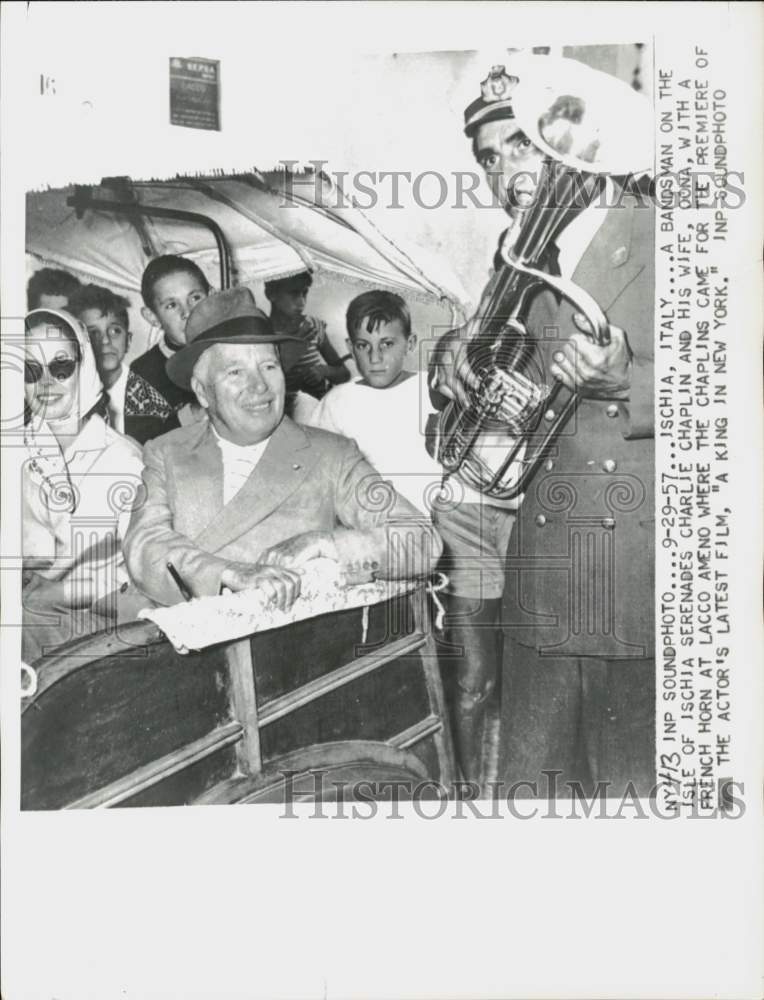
(229, 317)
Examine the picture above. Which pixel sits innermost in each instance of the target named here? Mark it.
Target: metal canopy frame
(83, 200)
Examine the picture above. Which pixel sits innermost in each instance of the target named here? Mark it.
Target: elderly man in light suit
(246, 497)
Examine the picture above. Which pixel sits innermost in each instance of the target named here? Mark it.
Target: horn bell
(584, 118)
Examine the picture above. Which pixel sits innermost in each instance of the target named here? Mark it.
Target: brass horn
(589, 127)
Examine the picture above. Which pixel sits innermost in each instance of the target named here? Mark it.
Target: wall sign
(195, 93)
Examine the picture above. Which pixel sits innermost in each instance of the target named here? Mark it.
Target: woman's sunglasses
(60, 370)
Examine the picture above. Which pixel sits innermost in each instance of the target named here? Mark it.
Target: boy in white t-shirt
(388, 426)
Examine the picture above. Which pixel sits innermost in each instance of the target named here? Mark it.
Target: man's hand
(596, 372)
(190, 413)
(293, 553)
(280, 586)
(451, 374)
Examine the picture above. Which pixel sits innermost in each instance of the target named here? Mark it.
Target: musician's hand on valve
(595, 371)
(451, 373)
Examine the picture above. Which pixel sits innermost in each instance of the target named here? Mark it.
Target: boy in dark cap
(310, 361)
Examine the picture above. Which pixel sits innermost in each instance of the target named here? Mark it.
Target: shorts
(475, 541)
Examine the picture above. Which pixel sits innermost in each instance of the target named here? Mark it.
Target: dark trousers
(592, 719)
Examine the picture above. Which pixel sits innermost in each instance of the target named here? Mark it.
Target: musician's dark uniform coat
(579, 603)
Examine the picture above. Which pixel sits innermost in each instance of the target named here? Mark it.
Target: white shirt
(388, 425)
(117, 401)
(239, 463)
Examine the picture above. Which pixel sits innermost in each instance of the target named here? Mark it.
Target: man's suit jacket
(580, 566)
(306, 480)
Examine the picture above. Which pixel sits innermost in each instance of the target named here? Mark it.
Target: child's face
(174, 297)
(109, 337)
(290, 302)
(381, 353)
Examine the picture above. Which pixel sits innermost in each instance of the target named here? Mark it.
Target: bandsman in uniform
(578, 684)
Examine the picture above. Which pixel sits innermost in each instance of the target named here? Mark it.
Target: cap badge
(498, 85)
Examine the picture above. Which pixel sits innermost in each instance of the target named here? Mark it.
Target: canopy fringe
(216, 173)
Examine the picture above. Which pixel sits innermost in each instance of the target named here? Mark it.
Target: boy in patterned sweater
(171, 286)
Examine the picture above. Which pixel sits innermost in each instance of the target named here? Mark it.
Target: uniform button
(619, 256)
(549, 416)
(549, 465)
(612, 410)
(609, 465)
(608, 522)
(540, 520)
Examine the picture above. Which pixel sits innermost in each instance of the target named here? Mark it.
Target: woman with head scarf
(80, 483)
